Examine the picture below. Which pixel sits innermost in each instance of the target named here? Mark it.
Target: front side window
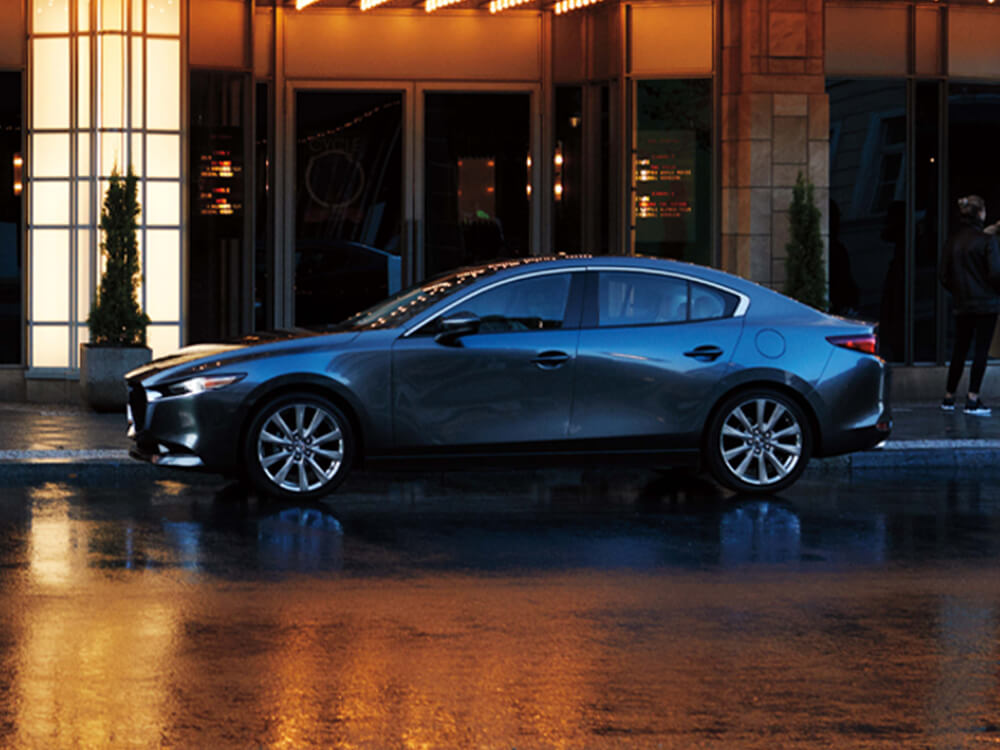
(634, 299)
(533, 304)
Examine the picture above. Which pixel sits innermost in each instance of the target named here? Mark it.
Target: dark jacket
(970, 269)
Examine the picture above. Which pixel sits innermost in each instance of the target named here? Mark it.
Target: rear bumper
(861, 439)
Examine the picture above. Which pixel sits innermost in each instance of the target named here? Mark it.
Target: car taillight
(865, 342)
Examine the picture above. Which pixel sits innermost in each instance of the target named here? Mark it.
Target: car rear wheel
(759, 441)
(298, 447)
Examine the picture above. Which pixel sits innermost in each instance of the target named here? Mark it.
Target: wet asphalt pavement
(559, 609)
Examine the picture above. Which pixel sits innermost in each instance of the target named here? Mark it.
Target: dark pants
(965, 326)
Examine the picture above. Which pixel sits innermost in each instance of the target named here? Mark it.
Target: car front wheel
(759, 441)
(298, 447)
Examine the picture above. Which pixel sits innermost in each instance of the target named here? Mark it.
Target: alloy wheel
(300, 447)
(761, 441)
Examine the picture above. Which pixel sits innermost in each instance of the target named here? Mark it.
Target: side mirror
(455, 326)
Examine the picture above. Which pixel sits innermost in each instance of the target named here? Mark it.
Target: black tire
(759, 442)
(298, 447)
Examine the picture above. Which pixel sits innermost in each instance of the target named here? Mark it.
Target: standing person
(970, 270)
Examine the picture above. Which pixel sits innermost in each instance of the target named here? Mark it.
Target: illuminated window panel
(50, 275)
(163, 263)
(163, 76)
(111, 147)
(50, 346)
(85, 284)
(49, 155)
(83, 15)
(164, 17)
(112, 81)
(83, 207)
(135, 157)
(111, 15)
(137, 113)
(50, 84)
(50, 203)
(163, 204)
(83, 83)
(83, 144)
(163, 156)
(137, 15)
(163, 339)
(50, 16)
(83, 334)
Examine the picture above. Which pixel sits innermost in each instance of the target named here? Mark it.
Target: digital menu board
(664, 182)
(219, 172)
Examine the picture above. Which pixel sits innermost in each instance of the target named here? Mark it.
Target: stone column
(775, 124)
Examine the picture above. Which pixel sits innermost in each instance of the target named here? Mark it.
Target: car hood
(213, 355)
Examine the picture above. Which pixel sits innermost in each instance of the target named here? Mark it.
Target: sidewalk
(39, 440)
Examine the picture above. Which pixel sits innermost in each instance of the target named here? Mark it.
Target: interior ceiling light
(432, 5)
(300, 4)
(369, 4)
(498, 5)
(565, 6)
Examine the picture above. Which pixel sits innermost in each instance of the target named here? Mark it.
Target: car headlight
(201, 384)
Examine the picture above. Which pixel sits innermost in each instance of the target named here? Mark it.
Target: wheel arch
(781, 387)
(301, 383)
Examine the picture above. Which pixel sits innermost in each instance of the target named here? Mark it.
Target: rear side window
(634, 298)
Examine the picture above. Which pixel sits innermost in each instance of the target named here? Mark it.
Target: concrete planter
(102, 374)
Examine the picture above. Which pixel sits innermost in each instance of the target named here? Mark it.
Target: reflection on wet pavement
(619, 611)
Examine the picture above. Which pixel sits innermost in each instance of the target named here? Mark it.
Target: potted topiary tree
(805, 270)
(117, 324)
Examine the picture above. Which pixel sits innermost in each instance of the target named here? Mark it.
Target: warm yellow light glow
(498, 5)
(565, 6)
(432, 5)
(558, 159)
(558, 190)
(300, 4)
(50, 276)
(369, 4)
(163, 263)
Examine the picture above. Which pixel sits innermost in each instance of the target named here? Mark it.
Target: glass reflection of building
(298, 164)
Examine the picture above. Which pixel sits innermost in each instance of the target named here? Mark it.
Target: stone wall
(775, 124)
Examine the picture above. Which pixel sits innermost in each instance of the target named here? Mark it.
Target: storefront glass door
(349, 202)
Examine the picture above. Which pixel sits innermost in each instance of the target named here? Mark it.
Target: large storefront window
(476, 172)
(11, 184)
(672, 169)
(868, 206)
(349, 202)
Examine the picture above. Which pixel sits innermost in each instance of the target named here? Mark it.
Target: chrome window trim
(499, 282)
(741, 307)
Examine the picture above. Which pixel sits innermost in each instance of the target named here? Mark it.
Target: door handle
(706, 353)
(551, 360)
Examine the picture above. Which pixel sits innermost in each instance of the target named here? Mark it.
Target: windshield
(398, 309)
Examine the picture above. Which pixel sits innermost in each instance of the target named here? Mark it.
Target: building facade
(297, 164)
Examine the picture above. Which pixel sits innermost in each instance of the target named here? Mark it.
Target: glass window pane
(867, 210)
(163, 339)
(83, 82)
(111, 15)
(137, 79)
(163, 156)
(50, 275)
(49, 155)
(112, 78)
(85, 284)
(11, 224)
(568, 170)
(708, 303)
(486, 216)
(138, 19)
(49, 16)
(83, 146)
(112, 153)
(349, 172)
(163, 77)
(50, 83)
(83, 15)
(163, 270)
(530, 305)
(50, 203)
(163, 204)
(164, 17)
(50, 346)
(135, 154)
(628, 299)
(83, 207)
(672, 178)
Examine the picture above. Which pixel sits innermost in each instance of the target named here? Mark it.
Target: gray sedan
(592, 358)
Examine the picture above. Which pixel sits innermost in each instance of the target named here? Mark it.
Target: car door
(652, 348)
(509, 383)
